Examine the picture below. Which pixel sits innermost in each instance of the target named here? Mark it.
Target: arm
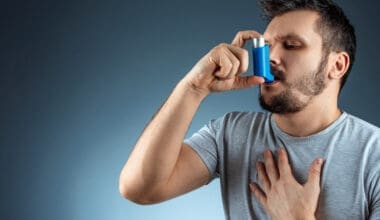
(145, 176)
(161, 166)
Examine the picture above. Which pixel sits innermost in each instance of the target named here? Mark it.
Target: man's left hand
(281, 195)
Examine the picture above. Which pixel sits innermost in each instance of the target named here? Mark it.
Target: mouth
(278, 77)
(274, 82)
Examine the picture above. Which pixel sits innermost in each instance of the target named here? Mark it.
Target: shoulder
(243, 120)
(363, 128)
(367, 135)
(364, 134)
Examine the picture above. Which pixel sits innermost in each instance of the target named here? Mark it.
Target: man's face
(297, 61)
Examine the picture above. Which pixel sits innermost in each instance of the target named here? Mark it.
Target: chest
(342, 190)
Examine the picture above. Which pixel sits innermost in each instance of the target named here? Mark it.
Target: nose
(274, 55)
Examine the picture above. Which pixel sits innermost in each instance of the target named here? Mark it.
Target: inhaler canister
(261, 66)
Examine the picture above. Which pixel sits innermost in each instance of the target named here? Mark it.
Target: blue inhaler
(261, 66)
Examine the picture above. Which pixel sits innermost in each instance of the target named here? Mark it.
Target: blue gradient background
(80, 79)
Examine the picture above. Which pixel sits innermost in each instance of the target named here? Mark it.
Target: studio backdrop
(81, 79)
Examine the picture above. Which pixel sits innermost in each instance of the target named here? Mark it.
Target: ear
(340, 61)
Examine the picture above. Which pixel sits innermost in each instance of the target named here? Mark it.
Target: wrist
(192, 90)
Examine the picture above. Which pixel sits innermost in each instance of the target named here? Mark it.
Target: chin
(281, 102)
(269, 91)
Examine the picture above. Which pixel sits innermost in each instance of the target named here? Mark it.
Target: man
(269, 164)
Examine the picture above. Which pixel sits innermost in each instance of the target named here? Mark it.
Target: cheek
(298, 64)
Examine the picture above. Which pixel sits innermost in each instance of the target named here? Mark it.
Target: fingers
(263, 178)
(231, 60)
(237, 44)
(228, 64)
(270, 166)
(222, 66)
(314, 175)
(247, 81)
(242, 36)
(283, 163)
(258, 193)
(242, 55)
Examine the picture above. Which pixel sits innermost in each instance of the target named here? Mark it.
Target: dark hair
(336, 31)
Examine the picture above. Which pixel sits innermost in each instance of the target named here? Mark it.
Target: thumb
(242, 82)
(315, 172)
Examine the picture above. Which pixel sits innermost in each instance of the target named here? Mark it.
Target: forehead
(300, 23)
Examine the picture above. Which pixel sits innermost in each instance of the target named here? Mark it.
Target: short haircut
(337, 33)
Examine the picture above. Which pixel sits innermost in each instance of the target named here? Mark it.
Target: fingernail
(319, 161)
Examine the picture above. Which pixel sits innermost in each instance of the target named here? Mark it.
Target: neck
(314, 118)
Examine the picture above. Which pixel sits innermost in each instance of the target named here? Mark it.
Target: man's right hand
(161, 166)
(221, 68)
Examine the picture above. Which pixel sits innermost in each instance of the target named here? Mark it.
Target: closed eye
(290, 46)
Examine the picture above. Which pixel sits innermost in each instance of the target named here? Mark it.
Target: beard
(289, 101)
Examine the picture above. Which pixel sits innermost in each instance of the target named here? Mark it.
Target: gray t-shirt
(231, 145)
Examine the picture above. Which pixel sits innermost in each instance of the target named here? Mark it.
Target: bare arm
(144, 178)
(161, 166)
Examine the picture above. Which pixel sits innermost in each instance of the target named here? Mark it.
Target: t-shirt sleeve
(205, 143)
(375, 198)
(373, 183)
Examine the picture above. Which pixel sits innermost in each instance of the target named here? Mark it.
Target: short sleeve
(373, 182)
(205, 143)
(374, 204)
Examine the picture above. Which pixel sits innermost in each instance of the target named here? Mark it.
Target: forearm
(156, 151)
(153, 162)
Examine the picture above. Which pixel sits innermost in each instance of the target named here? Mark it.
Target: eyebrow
(290, 36)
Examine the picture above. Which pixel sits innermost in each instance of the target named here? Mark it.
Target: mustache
(278, 74)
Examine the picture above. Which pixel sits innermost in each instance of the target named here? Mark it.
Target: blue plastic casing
(261, 66)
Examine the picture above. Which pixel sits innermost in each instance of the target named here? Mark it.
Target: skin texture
(282, 196)
(161, 166)
(309, 85)
(297, 53)
(297, 63)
